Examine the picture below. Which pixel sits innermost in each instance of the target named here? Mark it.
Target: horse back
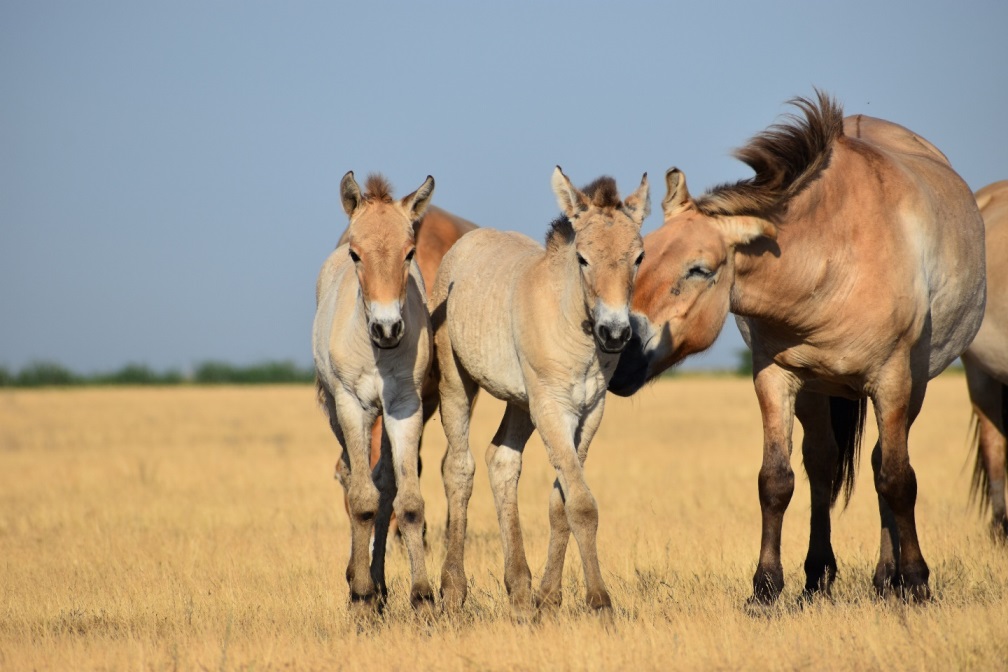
(990, 347)
(473, 301)
(935, 222)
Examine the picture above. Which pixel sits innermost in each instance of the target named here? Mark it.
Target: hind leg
(992, 456)
(819, 455)
(990, 406)
(897, 402)
(384, 479)
(458, 393)
(504, 462)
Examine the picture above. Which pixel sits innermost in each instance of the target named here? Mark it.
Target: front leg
(355, 424)
(776, 389)
(567, 437)
(404, 423)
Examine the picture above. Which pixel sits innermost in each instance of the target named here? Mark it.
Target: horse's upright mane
(786, 158)
(377, 188)
(602, 193)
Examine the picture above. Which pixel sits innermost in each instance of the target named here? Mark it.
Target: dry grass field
(201, 528)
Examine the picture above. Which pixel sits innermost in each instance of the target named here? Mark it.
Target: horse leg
(992, 457)
(458, 393)
(383, 476)
(551, 588)
(355, 425)
(403, 426)
(819, 455)
(776, 390)
(990, 406)
(897, 402)
(559, 430)
(504, 462)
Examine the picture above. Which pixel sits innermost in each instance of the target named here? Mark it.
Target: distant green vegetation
(53, 374)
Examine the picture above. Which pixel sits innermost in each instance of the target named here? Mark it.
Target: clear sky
(169, 170)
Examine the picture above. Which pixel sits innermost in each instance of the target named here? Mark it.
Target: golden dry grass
(200, 528)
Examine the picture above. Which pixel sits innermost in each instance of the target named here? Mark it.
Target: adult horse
(986, 363)
(854, 263)
(540, 329)
(434, 234)
(372, 347)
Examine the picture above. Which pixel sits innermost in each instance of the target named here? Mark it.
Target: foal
(372, 346)
(540, 329)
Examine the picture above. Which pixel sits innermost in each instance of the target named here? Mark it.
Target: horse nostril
(397, 329)
(376, 331)
(624, 335)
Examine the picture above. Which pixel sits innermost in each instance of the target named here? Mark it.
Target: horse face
(683, 290)
(608, 248)
(609, 252)
(382, 249)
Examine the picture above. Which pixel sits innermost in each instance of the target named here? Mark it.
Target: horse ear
(744, 230)
(571, 200)
(677, 197)
(417, 202)
(350, 193)
(637, 205)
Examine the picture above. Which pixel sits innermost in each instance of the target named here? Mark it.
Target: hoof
(423, 604)
(551, 600)
(599, 602)
(453, 592)
(767, 586)
(885, 579)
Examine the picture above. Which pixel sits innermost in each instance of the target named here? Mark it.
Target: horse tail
(847, 418)
(980, 482)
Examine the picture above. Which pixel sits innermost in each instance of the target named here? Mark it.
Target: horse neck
(560, 272)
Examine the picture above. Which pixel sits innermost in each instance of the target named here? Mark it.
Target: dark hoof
(999, 531)
(423, 604)
(810, 596)
(599, 602)
(767, 586)
(885, 579)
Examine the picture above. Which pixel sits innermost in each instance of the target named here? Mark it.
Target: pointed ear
(743, 230)
(569, 197)
(417, 202)
(637, 205)
(350, 193)
(677, 197)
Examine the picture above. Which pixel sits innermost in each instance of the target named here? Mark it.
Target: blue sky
(169, 171)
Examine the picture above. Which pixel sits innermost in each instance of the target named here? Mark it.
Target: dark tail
(847, 418)
(980, 483)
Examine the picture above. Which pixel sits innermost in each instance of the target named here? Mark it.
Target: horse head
(683, 291)
(382, 247)
(605, 236)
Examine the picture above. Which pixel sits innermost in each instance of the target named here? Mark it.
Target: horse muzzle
(612, 337)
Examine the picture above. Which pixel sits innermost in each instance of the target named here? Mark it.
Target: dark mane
(786, 158)
(561, 232)
(603, 192)
(377, 188)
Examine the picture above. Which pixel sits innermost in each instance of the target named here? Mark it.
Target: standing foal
(540, 329)
(372, 346)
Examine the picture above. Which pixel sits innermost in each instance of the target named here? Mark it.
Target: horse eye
(582, 260)
(640, 258)
(410, 254)
(700, 272)
(355, 257)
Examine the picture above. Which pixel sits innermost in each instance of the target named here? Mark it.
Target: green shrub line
(213, 372)
(53, 374)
